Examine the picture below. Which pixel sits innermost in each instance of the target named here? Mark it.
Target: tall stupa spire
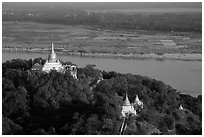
(137, 99)
(53, 50)
(126, 102)
(52, 57)
(127, 108)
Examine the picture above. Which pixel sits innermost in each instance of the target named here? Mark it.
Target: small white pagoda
(128, 108)
(138, 104)
(52, 63)
(181, 107)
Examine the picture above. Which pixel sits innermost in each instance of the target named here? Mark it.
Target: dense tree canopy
(55, 103)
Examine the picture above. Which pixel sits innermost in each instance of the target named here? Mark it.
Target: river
(185, 76)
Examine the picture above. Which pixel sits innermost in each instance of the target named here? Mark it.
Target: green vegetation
(34, 102)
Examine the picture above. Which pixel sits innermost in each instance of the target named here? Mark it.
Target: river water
(186, 76)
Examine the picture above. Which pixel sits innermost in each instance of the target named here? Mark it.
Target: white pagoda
(128, 108)
(138, 104)
(52, 63)
(181, 107)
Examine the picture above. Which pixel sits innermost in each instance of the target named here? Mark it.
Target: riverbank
(185, 76)
(184, 57)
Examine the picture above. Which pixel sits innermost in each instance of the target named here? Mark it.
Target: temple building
(127, 108)
(72, 69)
(138, 104)
(52, 63)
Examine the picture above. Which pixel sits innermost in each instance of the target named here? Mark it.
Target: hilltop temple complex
(52, 63)
(131, 108)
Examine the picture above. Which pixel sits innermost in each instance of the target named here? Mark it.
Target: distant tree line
(110, 20)
(34, 102)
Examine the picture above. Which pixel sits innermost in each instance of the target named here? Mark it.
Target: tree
(56, 103)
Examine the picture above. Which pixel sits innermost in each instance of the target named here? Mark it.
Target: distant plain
(91, 39)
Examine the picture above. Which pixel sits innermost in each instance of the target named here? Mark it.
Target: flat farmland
(96, 40)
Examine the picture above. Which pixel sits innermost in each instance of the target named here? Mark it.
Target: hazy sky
(104, 5)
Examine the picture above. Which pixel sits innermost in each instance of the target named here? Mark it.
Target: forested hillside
(55, 103)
